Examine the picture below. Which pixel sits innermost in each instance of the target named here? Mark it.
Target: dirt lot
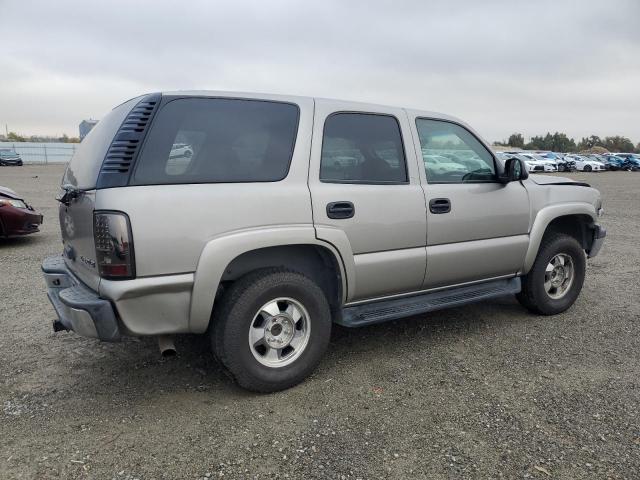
(475, 392)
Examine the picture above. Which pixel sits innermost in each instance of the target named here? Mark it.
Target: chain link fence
(43, 153)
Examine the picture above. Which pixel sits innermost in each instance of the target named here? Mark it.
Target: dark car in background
(9, 158)
(631, 160)
(613, 162)
(17, 217)
(566, 164)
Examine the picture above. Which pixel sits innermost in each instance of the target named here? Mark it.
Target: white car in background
(547, 164)
(584, 164)
(533, 166)
(441, 164)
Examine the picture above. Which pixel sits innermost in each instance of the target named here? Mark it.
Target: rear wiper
(69, 193)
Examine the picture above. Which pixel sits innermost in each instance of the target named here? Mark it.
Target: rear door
(366, 193)
(477, 227)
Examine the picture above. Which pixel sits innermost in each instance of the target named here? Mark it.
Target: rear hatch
(80, 178)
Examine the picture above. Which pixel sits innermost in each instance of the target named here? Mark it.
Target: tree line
(14, 137)
(559, 142)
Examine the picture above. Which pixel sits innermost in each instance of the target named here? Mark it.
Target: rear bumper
(599, 234)
(78, 307)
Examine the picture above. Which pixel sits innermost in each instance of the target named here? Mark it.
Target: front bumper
(20, 221)
(78, 307)
(11, 162)
(599, 234)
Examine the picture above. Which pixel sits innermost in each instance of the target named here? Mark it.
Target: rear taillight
(114, 245)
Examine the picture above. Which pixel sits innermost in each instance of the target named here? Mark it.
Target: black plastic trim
(394, 308)
(573, 184)
(124, 150)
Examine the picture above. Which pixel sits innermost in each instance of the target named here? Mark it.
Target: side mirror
(514, 170)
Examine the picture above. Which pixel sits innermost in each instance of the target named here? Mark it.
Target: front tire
(271, 329)
(556, 277)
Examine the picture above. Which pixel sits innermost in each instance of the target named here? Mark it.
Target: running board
(382, 311)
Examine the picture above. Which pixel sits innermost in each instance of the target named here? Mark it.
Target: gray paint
(186, 235)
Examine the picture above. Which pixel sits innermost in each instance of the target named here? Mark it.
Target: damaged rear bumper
(78, 307)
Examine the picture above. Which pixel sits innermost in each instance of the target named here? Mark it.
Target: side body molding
(222, 250)
(546, 216)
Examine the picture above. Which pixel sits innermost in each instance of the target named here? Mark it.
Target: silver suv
(261, 220)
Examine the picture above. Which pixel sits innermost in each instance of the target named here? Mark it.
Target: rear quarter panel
(171, 224)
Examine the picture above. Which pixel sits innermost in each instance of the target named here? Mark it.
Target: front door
(477, 227)
(366, 196)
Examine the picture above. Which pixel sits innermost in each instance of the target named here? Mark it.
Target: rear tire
(271, 329)
(556, 277)
(587, 168)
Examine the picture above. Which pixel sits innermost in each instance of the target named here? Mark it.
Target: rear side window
(216, 140)
(362, 148)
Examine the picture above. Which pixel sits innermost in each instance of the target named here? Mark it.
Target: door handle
(340, 210)
(439, 205)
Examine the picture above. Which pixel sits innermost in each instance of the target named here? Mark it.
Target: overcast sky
(502, 66)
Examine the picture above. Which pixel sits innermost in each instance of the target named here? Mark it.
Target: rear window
(216, 140)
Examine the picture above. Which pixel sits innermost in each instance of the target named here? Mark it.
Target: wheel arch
(228, 258)
(316, 262)
(573, 219)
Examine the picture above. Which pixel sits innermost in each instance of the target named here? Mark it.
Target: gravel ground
(483, 391)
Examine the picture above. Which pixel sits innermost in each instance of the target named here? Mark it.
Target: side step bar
(382, 311)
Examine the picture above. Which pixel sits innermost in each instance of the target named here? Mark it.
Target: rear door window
(216, 140)
(362, 148)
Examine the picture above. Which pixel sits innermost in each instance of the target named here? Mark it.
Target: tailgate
(76, 225)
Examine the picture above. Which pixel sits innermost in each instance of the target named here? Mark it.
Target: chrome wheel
(558, 276)
(279, 332)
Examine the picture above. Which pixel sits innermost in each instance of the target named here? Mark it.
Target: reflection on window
(196, 140)
(452, 155)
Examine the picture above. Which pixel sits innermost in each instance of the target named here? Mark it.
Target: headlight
(13, 203)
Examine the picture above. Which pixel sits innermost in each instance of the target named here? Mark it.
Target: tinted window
(195, 140)
(451, 154)
(362, 148)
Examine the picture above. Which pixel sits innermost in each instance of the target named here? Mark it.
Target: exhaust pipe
(167, 348)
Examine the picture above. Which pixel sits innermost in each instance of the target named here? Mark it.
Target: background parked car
(16, 216)
(532, 165)
(441, 164)
(547, 164)
(586, 164)
(633, 164)
(614, 162)
(631, 161)
(9, 157)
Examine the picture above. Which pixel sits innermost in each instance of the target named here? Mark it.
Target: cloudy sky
(503, 65)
